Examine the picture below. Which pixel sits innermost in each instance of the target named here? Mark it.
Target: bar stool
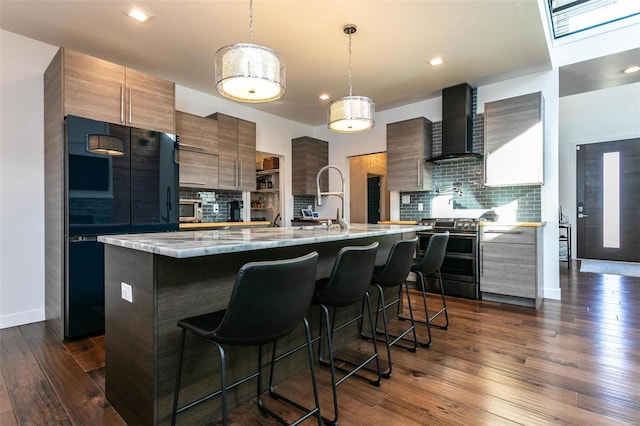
(430, 264)
(268, 301)
(394, 274)
(347, 285)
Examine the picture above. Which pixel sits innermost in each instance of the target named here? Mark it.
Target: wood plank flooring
(575, 361)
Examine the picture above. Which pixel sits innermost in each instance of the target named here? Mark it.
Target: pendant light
(247, 72)
(351, 113)
(104, 144)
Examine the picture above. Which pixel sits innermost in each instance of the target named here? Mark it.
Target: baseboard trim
(21, 318)
(552, 293)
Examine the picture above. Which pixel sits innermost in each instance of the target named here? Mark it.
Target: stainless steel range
(460, 266)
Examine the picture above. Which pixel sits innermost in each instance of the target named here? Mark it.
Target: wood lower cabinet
(308, 156)
(408, 146)
(100, 90)
(198, 150)
(236, 153)
(511, 264)
(514, 141)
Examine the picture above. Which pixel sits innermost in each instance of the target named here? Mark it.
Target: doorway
(608, 200)
(368, 196)
(373, 199)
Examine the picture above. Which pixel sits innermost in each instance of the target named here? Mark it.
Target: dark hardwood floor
(575, 361)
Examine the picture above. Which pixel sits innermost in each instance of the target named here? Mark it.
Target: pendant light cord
(251, 21)
(350, 88)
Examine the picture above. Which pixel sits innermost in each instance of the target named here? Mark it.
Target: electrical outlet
(420, 207)
(216, 208)
(127, 292)
(406, 199)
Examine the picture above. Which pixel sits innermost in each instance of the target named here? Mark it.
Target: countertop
(222, 224)
(514, 224)
(203, 243)
(397, 222)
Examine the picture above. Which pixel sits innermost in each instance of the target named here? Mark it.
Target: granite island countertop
(186, 244)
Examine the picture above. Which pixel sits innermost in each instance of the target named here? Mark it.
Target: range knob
(465, 226)
(473, 225)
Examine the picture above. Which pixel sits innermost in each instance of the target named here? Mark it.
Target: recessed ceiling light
(324, 97)
(632, 69)
(139, 15)
(436, 61)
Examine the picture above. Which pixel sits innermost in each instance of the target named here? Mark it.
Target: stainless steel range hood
(457, 124)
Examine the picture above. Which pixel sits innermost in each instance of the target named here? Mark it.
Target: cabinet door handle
(122, 103)
(130, 104)
(236, 177)
(193, 183)
(418, 175)
(241, 179)
(191, 147)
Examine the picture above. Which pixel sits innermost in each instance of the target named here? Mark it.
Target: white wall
(588, 118)
(22, 64)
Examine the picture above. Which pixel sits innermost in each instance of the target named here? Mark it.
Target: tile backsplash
(510, 203)
(302, 202)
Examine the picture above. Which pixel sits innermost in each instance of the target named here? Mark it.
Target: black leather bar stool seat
(346, 286)
(429, 265)
(394, 274)
(269, 300)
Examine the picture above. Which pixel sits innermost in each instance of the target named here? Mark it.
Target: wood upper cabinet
(511, 264)
(408, 146)
(514, 141)
(236, 153)
(103, 91)
(198, 150)
(308, 156)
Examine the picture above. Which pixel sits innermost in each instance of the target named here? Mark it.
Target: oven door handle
(503, 232)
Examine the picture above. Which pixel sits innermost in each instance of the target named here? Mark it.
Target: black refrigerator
(131, 187)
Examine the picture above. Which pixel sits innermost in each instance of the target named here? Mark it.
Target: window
(572, 16)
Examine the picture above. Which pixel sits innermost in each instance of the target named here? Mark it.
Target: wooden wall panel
(54, 207)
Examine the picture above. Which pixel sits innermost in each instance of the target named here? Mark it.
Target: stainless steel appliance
(460, 266)
(131, 190)
(191, 211)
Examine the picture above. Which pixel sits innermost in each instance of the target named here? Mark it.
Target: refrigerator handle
(80, 238)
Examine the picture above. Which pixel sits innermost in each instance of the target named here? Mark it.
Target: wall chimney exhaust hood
(457, 124)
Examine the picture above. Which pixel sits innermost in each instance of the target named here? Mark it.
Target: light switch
(126, 292)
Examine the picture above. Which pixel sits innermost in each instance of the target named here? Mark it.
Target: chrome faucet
(341, 220)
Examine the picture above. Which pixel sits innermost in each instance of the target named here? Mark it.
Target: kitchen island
(178, 274)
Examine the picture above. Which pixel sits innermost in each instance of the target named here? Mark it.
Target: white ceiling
(481, 40)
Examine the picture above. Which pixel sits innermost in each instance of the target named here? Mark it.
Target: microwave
(190, 210)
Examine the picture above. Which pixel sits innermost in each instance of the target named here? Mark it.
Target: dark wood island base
(142, 339)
